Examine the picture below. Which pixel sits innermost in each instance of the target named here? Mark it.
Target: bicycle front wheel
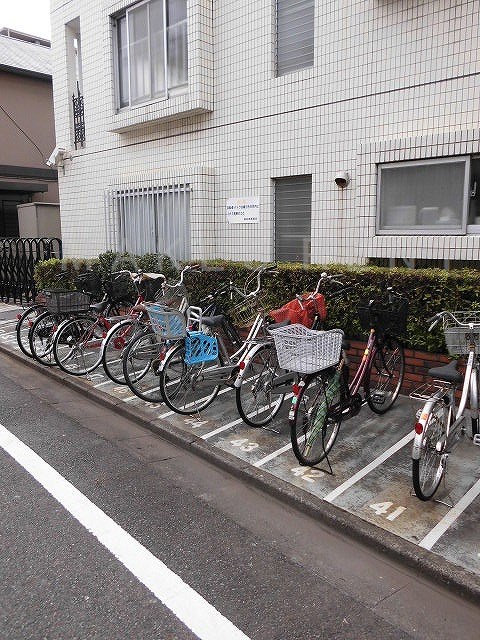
(24, 325)
(317, 416)
(257, 399)
(77, 345)
(141, 362)
(428, 470)
(384, 376)
(114, 346)
(187, 389)
(40, 337)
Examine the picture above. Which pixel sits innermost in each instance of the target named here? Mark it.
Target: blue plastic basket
(200, 348)
(167, 323)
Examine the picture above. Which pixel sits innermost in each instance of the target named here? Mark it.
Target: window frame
(424, 230)
(168, 92)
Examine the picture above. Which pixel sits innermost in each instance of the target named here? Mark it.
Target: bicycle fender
(251, 353)
(167, 353)
(114, 327)
(423, 420)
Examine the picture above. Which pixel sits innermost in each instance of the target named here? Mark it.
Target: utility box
(39, 220)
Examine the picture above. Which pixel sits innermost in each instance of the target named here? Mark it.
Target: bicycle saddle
(212, 321)
(448, 372)
(99, 307)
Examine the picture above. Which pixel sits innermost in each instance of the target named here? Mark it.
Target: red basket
(302, 311)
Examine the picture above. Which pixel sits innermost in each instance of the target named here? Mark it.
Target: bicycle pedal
(476, 439)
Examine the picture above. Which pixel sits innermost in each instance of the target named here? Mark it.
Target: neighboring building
(27, 127)
(316, 131)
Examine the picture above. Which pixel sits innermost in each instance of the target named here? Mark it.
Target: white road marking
(100, 384)
(206, 436)
(446, 522)
(184, 602)
(273, 455)
(370, 467)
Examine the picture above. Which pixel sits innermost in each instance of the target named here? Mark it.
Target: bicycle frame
(456, 415)
(231, 362)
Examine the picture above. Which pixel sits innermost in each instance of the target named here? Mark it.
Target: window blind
(293, 214)
(295, 35)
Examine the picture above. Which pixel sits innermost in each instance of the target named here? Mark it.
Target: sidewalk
(367, 496)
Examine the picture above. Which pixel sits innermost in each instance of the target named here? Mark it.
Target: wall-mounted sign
(246, 210)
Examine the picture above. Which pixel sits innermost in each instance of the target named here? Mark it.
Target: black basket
(385, 316)
(63, 301)
(89, 282)
(119, 288)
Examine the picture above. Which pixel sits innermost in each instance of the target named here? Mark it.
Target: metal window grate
(78, 119)
(150, 220)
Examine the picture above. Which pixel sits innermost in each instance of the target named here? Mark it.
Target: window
(153, 220)
(151, 47)
(75, 82)
(430, 196)
(293, 213)
(295, 29)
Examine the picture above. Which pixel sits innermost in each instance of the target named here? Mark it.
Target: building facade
(27, 128)
(292, 130)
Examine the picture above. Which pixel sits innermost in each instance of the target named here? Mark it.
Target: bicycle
(60, 305)
(190, 384)
(78, 341)
(261, 384)
(143, 356)
(133, 322)
(324, 397)
(28, 316)
(441, 423)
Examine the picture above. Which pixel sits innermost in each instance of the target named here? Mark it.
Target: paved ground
(368, 492)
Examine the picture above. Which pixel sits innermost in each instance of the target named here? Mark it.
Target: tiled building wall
(391, 80)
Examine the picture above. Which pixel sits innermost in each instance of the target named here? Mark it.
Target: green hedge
(427, 290)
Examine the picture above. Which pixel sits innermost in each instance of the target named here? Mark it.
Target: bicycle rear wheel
(428, 470)
(141, 362)
(77, 345)
(317, 416)
(257, 399)
(24, 325)
(384, 376)
(187, 389)
(40, 337)
(114, 346)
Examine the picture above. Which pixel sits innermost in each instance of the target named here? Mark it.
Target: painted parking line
(370, 467)
(273, 455)
(225, 427)
(446, 522)
(183, 601)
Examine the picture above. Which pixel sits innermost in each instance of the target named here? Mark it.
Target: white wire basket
(458, 337)
(166, 323)
(306, 350)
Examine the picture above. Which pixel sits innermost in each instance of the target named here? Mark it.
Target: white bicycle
(441, 424)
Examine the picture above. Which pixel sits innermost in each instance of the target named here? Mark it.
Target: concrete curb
(426, 564)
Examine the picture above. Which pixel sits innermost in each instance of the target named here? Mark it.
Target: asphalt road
(268, 570)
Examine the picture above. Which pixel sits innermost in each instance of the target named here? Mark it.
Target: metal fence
(18, 257)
